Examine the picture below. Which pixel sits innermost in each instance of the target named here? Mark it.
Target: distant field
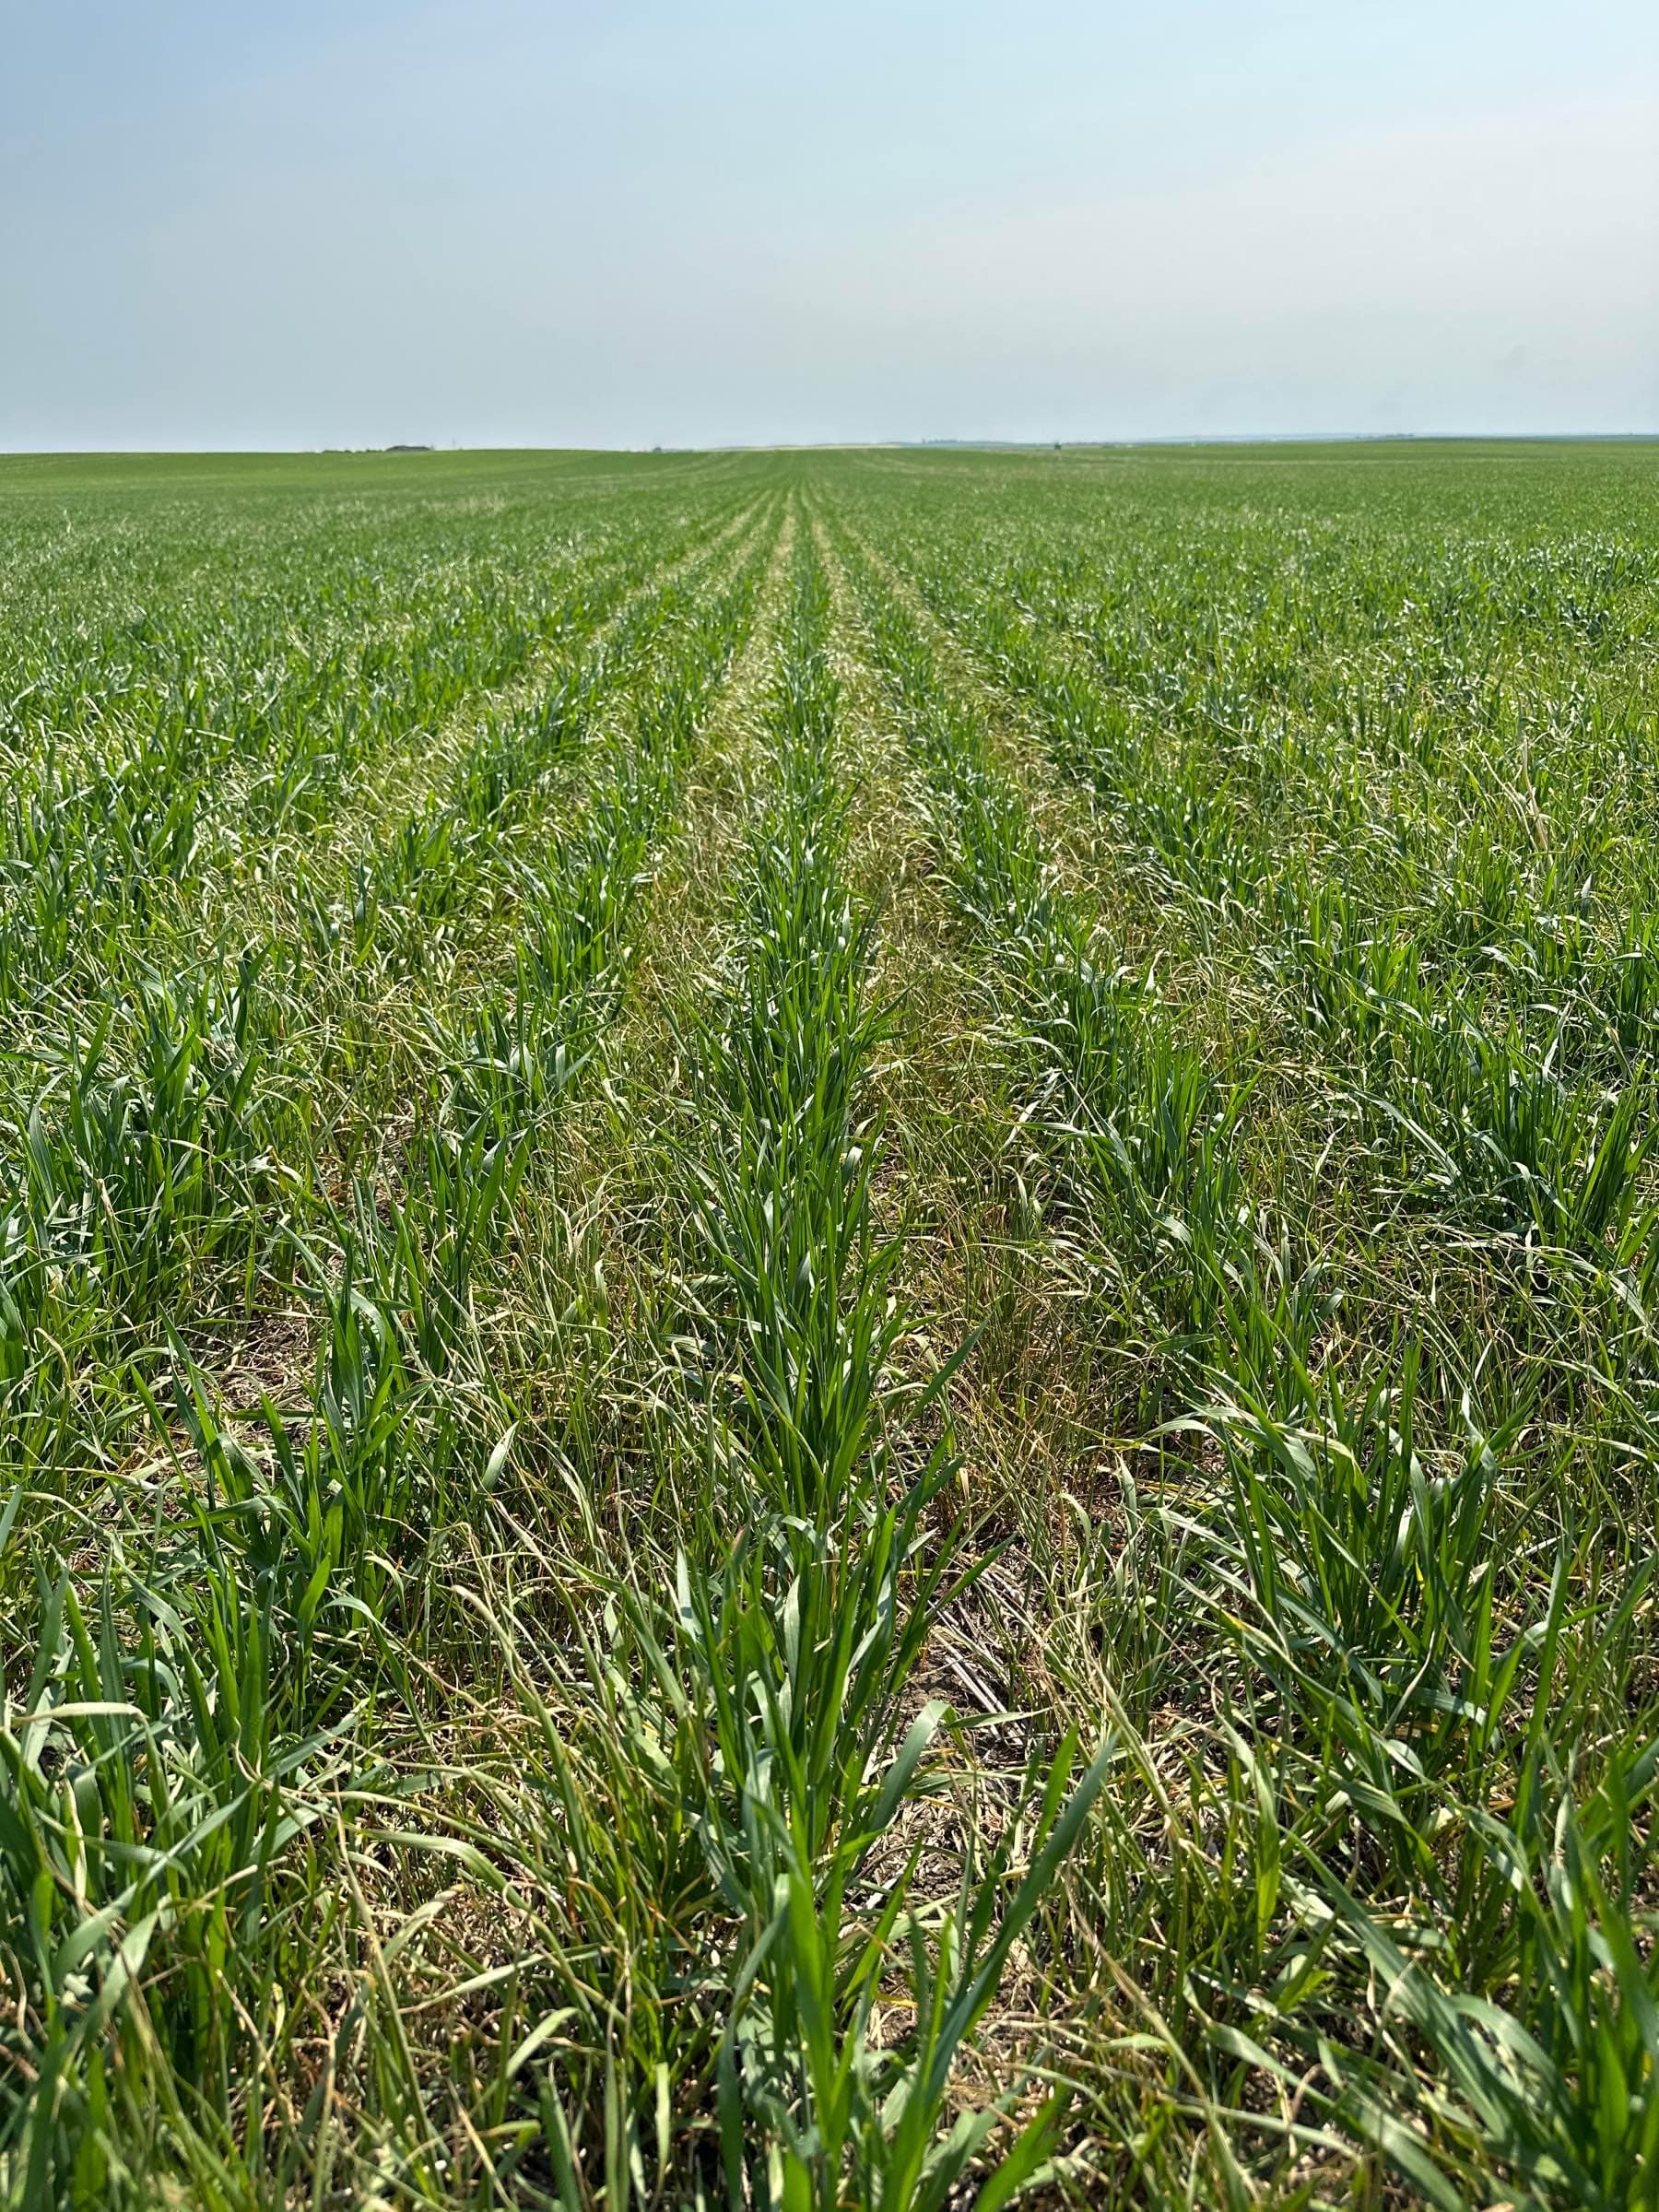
(830, 1329)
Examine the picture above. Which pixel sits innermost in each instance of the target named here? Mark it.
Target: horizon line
(411, 449)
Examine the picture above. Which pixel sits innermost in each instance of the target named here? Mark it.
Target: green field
(830, 1329)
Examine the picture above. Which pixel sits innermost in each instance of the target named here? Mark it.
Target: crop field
(830, 1329)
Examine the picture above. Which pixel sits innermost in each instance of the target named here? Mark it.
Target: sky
(225, 224)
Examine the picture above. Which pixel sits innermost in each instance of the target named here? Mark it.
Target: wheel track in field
(1041, 1410)
(959, 1180)
(667, 1129)
(1035, 1428)
(613, 1237)
(967, 1272)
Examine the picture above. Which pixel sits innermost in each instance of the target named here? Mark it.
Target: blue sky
(492, 222)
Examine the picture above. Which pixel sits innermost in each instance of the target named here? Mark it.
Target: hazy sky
(336, 222)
